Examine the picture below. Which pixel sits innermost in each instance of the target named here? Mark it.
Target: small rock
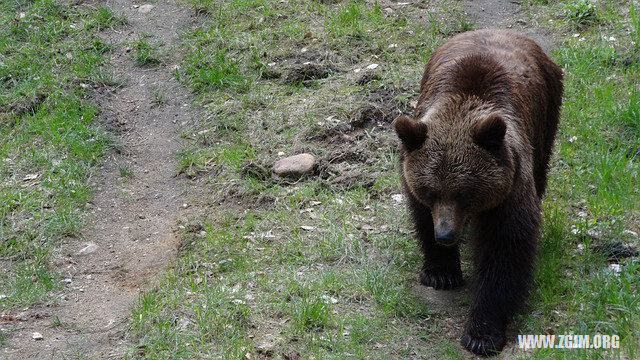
(183, 324)
(398, 198)
(307, 228)
(615, 268)
(329, 299)
(66, 281)
(145, 9)
(630, 232)
(88, 249)
(37, 336)
(295, 166)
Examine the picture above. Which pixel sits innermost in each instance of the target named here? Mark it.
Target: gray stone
(145, 9)
(88, 249)
(295, 166)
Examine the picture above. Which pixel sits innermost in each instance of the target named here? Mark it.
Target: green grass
(581, 12)
(126, 172)
(326, 267)
(145, 53)
(50, 56)
(594, 187)
(635, 24)
(159, 95)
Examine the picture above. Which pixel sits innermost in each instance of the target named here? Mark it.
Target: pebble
(183, 325)
(145, 9)
(37, 336)
(295, 166)
(615, 268)
(88, 249)
(398, 198)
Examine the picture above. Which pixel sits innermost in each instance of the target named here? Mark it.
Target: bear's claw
(441, 280)
(484, 345)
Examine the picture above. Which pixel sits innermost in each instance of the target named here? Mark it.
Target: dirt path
(507, 14)
(130, 238)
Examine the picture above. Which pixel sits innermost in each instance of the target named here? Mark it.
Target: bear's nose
(445, 237)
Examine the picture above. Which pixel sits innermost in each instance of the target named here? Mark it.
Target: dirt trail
(507, 14)
(132, 221)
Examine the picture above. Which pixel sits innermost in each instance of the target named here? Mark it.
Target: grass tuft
(145, 53)
(581, 12)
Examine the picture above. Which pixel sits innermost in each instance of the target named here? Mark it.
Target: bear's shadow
(451, 307)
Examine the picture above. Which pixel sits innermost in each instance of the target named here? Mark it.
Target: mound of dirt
(302, 73)
(379, 110)
(345, 167)
(368, 76)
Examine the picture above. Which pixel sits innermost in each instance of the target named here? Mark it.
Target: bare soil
(501, 14)
(131, 220)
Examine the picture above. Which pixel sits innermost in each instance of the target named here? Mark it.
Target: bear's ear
(412, 133)
(489, 133)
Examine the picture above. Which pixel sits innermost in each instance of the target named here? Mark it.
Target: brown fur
(476, 153)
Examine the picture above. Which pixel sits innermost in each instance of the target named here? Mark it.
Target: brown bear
(475, 156)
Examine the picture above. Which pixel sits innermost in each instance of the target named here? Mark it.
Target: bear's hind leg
(441, 268)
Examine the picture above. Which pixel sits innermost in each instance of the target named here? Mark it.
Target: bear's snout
(444, 224)
(445, 237)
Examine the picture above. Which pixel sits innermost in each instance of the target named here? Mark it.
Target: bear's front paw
(483, 344)
(441, 280)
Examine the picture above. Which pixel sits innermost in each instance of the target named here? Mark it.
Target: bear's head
(457, 161)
